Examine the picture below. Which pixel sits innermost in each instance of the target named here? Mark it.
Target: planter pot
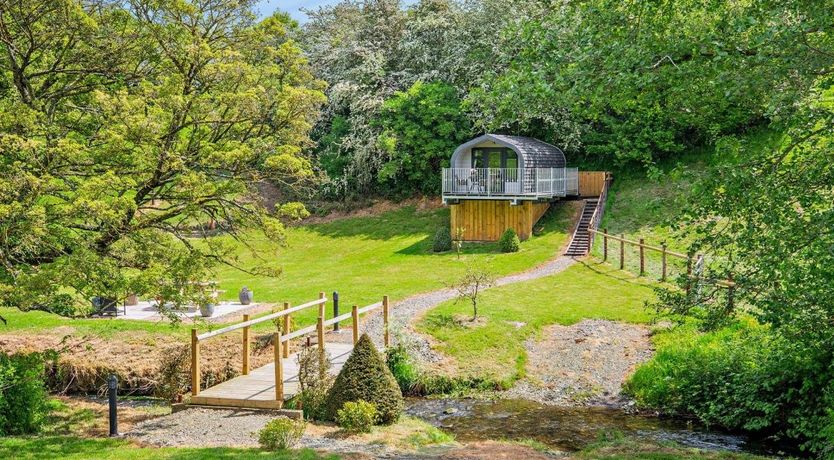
(245, 296)
(207, 310)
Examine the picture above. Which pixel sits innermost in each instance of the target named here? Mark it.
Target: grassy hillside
(648, 205)
(363, 258)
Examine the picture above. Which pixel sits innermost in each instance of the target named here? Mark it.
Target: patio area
(149, 311)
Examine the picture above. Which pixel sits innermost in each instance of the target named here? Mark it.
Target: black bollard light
(336, 310)
(112, 386)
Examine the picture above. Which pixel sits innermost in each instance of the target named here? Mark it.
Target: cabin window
(494, 158)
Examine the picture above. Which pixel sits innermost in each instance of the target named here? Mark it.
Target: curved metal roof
(534, 153)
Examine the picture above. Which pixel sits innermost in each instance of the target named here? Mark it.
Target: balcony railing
(504, 182)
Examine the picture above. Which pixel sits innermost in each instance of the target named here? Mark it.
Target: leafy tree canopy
(127, 127)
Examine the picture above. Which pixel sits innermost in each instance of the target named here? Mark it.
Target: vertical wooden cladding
(591, 182)
(487, 220)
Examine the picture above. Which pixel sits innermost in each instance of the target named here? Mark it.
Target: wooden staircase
(580, 242)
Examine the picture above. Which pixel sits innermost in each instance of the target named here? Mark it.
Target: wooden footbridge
(268, 387)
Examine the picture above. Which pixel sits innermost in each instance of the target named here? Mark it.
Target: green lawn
(496, 348)
(68, 447)
(363, 258)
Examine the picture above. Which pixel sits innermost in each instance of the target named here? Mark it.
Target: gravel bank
(583, 364)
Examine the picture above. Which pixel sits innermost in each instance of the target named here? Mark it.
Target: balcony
(511, 184)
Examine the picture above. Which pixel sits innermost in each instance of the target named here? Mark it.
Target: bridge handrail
(281, 339)
(252, 322)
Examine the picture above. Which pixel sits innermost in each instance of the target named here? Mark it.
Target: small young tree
(471, 285)
(457, 243)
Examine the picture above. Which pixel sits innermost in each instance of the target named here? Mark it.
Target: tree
(126, 128)
(470, 287)
(421, 126)
(639, 81)
(767, 219)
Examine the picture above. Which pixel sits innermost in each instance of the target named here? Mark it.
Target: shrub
(174, 376)
(357, 416)
(281, 433)
(742, 377)
(442, 240)
(314, 382)
(509, 241)
(402, 367)
(23, 396)
(365, 376)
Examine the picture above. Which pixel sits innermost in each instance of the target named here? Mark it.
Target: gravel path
(402, 313)
(198, 427)
(583, 364)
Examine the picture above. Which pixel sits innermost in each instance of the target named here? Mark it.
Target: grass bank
(494, 346)
(70, 448)
(363, 258)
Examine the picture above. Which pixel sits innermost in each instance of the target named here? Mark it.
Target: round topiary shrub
(357, 417)
(509, 241)
(442, 240)
(281, 433)
(366, 377)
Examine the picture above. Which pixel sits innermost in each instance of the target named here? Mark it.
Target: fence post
(195, 363)
(663, 261)
(321, 305)
(279, 368)
(355, 316)
(245, 346)
(604, 244)
(385, 319)
(320, 329)
(642, 259)
(622, 251)
(590, 235)
(336, 310)
(286, 330)
(688, 274)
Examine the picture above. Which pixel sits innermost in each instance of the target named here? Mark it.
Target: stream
(566, 429)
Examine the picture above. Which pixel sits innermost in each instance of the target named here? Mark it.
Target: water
(563, 428)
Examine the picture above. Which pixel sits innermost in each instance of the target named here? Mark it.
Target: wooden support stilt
(385, 320)
(245, 347)
(195, 363)
(286, 330)
(354, 313)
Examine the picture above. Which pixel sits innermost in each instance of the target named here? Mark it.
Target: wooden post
(385, 319)
(279, 367)
(286, 330)
(642, 259)
(604, 244)
(195, 363)
(622, 251)
(663, 261)
(320, 328)
(688, 274)
(245, 346)
(590, 244)
(321, 305)
(355, 316)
